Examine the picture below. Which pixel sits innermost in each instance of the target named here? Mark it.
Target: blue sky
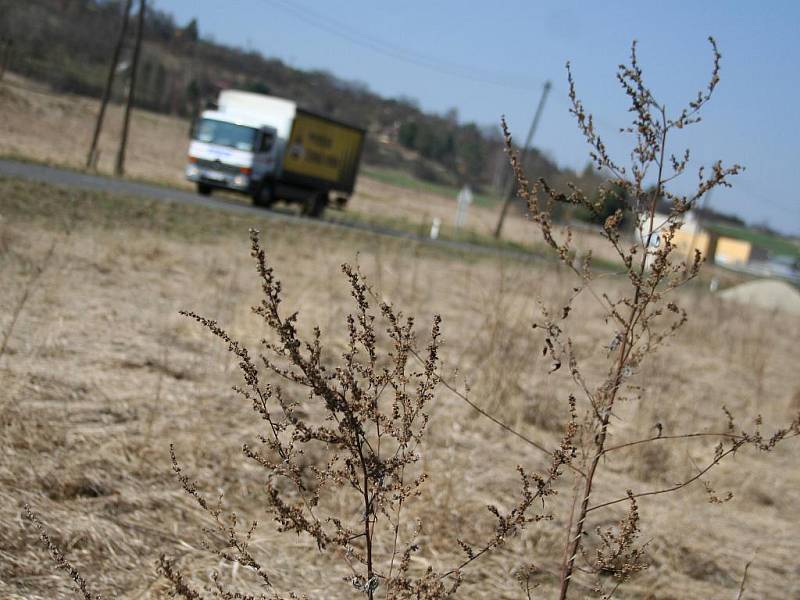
(491, 58)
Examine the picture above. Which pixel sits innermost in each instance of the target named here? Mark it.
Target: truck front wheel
(264, 195)
(315, 205)
(204, 189)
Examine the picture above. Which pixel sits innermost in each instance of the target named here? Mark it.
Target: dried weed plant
(359, 430)
(58, 557)
(642, 318)
(340, 449)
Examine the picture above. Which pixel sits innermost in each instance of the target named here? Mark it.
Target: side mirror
(265, 141)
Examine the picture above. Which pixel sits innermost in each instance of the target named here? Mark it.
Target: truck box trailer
(270, 149)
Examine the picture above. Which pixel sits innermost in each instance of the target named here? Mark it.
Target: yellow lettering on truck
(321, 149)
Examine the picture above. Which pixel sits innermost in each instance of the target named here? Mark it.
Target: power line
(352, 35)
(467, 72)
(771, 201)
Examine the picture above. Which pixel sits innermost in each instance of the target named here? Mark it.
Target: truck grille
(216, 165)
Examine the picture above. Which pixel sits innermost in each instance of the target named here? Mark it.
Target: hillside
(180, 70)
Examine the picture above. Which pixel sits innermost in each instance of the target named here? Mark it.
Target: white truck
(270, 149)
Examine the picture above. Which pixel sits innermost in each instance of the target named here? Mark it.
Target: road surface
(66, 177)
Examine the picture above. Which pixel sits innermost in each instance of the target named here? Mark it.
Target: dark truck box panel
(322, 153)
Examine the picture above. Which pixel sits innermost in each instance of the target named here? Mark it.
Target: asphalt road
(66, 177)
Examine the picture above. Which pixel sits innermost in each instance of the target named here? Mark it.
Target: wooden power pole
(120, 167)
(91, 158)
(508, 193)
(5, 55)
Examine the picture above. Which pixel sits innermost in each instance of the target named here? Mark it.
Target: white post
(464, 199)
(435, 225)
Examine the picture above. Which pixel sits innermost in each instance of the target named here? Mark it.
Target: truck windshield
(225, 134)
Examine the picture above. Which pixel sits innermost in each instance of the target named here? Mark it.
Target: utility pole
(91, 158)
(6, 46)
(120, 167)
(508, 193)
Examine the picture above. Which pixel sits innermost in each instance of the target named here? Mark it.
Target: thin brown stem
(367, 520)
(624, 351)
(680, 436)
(570, 523)
(26, 293)
(502, 425)
(743, 583)
(575, 543)
(672, 488)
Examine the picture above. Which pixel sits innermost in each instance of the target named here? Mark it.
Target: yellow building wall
(732, 252)
(683, 242)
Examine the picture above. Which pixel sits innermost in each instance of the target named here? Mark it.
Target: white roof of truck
(256, 110)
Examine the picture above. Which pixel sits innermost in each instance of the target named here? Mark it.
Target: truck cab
(268, 148)
(230, 153)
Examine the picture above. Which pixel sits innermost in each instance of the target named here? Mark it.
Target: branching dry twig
(644, 316)
(58, 557)
(358, 431)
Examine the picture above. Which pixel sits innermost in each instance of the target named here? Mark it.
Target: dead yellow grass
(57, 129)
(101, 374)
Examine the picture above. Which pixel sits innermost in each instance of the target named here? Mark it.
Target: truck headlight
(192, 171)
(241, 181)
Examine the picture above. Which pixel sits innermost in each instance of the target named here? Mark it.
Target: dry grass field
(100, 374)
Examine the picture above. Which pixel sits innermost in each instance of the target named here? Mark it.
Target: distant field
(403, 179)
(101, 374)
(157, 153)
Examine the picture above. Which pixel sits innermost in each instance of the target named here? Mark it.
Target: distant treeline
(68, 44)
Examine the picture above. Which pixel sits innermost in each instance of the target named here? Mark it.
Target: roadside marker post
(464, 199)
(436, 224)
